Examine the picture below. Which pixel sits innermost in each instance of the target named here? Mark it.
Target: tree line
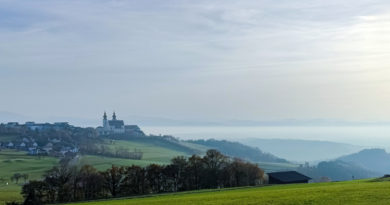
(118, 152)
(70, 183)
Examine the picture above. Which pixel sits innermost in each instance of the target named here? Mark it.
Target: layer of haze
(204, 60)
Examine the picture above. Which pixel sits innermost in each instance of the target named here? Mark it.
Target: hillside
(236, 149)
(337, 170)
(12, 162)
(377, 160)
(351, 192)
(155, 150)
(302, 150)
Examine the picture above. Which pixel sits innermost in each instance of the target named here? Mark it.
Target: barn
(287, 177)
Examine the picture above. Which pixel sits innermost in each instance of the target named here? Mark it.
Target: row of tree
(15, 177)
(117, 152)
(214, 170)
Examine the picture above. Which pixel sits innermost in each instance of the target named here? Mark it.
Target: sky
(207, 60)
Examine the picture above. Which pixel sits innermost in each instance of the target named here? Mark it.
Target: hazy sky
(207, 60)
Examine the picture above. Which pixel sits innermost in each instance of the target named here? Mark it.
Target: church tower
(105, 122)
(113, 116)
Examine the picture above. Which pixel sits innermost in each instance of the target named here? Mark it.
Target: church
(115, 126)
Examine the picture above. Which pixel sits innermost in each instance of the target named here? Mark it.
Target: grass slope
(351, 192)
(18, 162)
(151, 152)
(12, 162)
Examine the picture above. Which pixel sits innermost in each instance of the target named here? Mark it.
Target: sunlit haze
(196, 60)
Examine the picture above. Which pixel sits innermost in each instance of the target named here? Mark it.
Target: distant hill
(302, 150)
(236, 149)
(337, 171)
(377, 160)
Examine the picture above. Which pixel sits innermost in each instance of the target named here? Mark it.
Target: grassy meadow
(18, 162)
(350, 192)
(151, 152)
(12, 161)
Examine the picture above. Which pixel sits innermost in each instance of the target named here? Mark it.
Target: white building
(113, 126)
(10, 145)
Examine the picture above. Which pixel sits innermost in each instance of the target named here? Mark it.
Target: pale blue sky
(203, 60)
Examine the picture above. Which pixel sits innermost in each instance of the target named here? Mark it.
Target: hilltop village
(60, 138)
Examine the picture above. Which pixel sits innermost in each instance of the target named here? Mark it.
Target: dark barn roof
(288, 177)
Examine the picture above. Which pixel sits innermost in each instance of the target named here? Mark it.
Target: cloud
(202, 59)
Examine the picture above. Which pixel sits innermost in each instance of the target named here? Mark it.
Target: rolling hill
(236, 149)
(302, 150)
(377, 160)
(337, 170)
(154, 151)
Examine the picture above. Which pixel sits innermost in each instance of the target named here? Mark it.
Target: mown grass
(150, 151)
(351, 192)
(10, 193)
(102, 163)
(19, 162)
(12, 162)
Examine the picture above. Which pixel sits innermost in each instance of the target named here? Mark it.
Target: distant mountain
(302, 150)
(377, 160)
(162, 121)
(337, 170)
(235, 149)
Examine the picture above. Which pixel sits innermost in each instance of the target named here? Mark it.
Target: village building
(48, 147)
(36, 151)
(12, 124)
(10, 145)
(22, 145)
(46, 126)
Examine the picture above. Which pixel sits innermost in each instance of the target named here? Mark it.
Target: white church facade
(115, 126)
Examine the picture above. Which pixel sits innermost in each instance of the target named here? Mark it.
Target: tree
(195, 171)
(154, 175)
(236, 172)
(214, 162)
(16, 177)
(35, 193)
(25, 177)
(91, 182)
(113, 178)
(135, 180)
(58, 179)
(178, 165)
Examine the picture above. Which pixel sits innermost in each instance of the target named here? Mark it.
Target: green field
(150, 151)
(18, 162)
(351, 192)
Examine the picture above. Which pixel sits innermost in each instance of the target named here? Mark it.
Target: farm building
(287, 177)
